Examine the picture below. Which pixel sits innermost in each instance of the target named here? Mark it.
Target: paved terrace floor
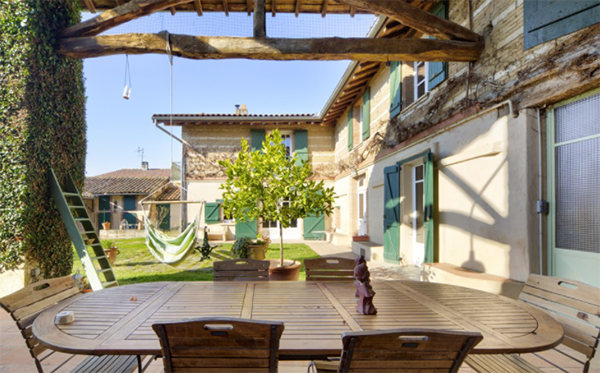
(15, 358)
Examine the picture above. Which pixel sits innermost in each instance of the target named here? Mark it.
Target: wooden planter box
(360, 238)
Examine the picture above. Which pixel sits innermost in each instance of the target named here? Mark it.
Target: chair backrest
(329, 269)
(573, 304)
(26, 304)
(406, 350)
(220, 345)
(241, 270)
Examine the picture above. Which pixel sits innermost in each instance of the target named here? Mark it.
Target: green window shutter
(391, 214)
(429, 209)
(258, 137)
(366, 114)
(130, 218)
(547, 20)
(246, 229)
(395, 88)
(104, 203)
(301, 145)
(129, 203)
(350, 127)
(212, 214)
(438, 70)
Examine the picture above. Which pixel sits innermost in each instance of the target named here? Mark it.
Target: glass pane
(419, 212)
(287, 141)
(294, 223)
(419, 173)
(578, 196)
(361, 206)
(578, 119)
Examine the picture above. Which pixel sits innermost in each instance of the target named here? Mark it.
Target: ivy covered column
(42, 124)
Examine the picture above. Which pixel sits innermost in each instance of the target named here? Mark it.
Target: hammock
(170, 250)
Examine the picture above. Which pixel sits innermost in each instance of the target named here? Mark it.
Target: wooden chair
(573, 304)
(402, 350)
(218, 345)
(329, 269)
(241, 270)
(26, 304)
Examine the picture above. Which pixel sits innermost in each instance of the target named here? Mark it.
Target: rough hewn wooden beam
(278, 49)
(249, 6)
(119, 15)
(298, 7)
(324, 8)
(416, 18)
(198, 6)
(172, 10)
(226, 8)
(260, 22)
(90, 5)
(273, 8)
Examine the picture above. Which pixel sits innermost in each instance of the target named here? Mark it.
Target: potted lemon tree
(268, 185)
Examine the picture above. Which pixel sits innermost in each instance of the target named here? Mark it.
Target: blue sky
(118, 127)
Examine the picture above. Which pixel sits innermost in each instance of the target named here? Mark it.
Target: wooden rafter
(226, 8)
(260, 23)
(198, 6)
(172, 10)
(298, 2)
(324, 8)
(119, 15)
(90, 5)
(278, 49)
(273, 7)
(249, 6)
(416, 18)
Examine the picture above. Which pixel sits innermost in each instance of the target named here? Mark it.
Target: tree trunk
(281, 244)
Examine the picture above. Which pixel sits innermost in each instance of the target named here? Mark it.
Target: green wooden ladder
(83, 233)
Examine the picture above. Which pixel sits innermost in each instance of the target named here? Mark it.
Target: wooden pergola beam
(119, 15)
(226, 8)
(298, 7)
(324, 8)
(198, 6)
(416, 18)
(260, 22)
(276, 49)
(90, 5)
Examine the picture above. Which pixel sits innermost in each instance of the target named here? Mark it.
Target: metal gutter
(162, 119)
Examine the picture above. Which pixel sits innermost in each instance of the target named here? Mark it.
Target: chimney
(145, 166)
(243, 110)
(237, 109)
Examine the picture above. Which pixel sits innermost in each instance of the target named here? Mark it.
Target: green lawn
(135, 263)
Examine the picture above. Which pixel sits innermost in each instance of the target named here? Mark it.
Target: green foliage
(240, 248)
(42, 123)
(267, 185)
(107, 244)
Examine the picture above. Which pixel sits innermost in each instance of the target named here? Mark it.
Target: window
(287, 141)
(362, 206)
(420, 79)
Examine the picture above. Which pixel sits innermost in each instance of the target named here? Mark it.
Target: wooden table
(118, 320)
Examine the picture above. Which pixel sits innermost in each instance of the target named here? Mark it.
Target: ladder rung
(87, 232)
(69, 194)
(103, 270)
(82, 219)
(76, 207)
(98, 257)
(109, 283)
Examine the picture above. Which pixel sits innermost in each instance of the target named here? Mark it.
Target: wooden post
(260, 25)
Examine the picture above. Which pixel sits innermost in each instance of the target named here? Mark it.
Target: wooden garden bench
(329, 269)
(573, 304)
(219, 345)
(26, 304)
(402, 350)
(241, 270)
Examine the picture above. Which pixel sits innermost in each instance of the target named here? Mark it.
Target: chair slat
(219, 345)
(44, 303)
(566, 287)
(329, 269)
(241, 270)
(406, 350)
(35, 292)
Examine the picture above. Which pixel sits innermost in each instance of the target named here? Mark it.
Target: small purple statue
(364, 290)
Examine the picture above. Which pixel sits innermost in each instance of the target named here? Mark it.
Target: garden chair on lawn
(26, 304)
(401, 350)
(329, 269)
(573, 304)
(241, 270)
(220, 345)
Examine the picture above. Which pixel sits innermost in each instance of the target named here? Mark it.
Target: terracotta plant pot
(289, 272)
(106, 226)
(111, 254)
(360, 238)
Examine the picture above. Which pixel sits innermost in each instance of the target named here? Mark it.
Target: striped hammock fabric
(170, 250)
